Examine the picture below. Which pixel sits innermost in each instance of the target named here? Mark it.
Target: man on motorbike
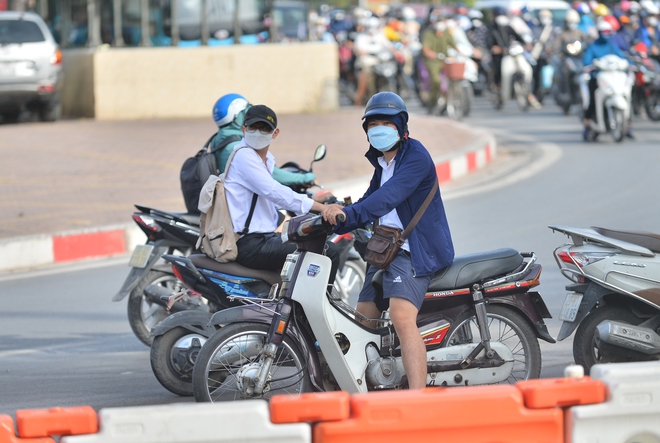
(570, 33)
(500, 35)
(367, 46)
(229, 113)
(601, 47)
(435, 43)
(250, 175)
(404, 175)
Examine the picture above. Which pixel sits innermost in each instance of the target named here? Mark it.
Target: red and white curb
(28, 252)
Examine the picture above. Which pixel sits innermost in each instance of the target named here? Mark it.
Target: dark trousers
(590, 113)
(267, 252)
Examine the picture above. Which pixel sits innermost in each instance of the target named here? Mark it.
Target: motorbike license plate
(571, 306)
(140, 256)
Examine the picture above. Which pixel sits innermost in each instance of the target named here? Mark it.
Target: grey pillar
(237, 24)
(43, 9)
(66, 23)
(174, 22)
(205, 23)
(272, 29)
(93, 23)
(117, 23)
(144, 18)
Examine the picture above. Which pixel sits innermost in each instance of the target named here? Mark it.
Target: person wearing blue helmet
(229, 114)
(404, 174)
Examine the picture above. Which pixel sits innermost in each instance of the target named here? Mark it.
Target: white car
(31, 75)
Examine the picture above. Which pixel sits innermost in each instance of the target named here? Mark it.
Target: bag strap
(420, 211)
(246, 229)
(223, 144)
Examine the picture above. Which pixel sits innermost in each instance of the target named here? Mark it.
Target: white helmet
(572, 16)
(408, 13)
(649, 7)
(603, 26)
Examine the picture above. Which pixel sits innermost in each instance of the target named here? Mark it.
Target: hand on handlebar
(333, 214)
(322, 196)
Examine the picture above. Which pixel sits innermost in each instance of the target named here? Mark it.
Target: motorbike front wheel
(520, 91)
(173, 356)
(455, 100)
(234, 354)
(617, 125)
(509, 328)
(585, 346)
(350, 279)
(652, 105)
(143, 314)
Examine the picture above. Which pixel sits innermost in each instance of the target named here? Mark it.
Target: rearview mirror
(320, 152)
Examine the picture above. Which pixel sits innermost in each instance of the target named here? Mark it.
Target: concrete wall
(133, 83)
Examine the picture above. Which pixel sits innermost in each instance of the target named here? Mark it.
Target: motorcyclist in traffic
(500, 35)
(436, 41)
(570, 32)
(368, 45)
(601, 47)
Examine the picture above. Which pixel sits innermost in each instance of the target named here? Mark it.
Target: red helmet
(613, 22)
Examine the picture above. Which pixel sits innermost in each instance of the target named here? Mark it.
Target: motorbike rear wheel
(350, 279)
(173, 356)
(652, 105)
(509, 328)
(585, 346)
(233, 354)
(143, 314)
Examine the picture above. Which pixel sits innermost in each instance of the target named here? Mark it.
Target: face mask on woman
(502, 20)
(383, 138)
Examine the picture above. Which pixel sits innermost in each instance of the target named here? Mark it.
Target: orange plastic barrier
(313, 407)
(564, 392)
(56, 421)
(482, 414)
(7, 433)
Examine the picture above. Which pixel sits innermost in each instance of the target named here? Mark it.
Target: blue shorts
(398, 281)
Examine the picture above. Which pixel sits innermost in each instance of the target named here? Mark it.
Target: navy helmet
(389, 105)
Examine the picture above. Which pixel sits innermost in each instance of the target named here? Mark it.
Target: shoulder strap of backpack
(223, 144)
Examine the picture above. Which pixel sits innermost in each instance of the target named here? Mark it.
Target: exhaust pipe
(635, 338)
(158, 294)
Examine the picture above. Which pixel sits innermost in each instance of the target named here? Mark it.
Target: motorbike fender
(263, 313)
(532, 306)
(591, 296)
(136, 274)
(194, 321)
(617, 101)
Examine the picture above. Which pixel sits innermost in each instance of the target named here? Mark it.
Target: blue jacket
(599, 48)
(431, 248)
(644, 36)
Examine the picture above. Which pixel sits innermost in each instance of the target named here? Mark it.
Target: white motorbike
(517, 76)
(614, 300)
(479, 322)
(612, 97)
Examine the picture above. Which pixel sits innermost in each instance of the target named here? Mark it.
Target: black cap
(260, 113)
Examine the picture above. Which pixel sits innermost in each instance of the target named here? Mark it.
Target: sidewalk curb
(30, 252)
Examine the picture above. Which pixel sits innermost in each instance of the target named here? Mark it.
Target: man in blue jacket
(404, 174)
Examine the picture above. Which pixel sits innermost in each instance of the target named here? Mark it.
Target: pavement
(67, 189)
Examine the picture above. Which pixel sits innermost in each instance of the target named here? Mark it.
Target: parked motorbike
(566, 84)
(479, 322)
(167, 233)
(179, 338)
(612, 97)
(613, 303)
(646, 88)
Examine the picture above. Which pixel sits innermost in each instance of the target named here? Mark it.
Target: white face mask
(502, 20)
(652, 21)
(257, 140)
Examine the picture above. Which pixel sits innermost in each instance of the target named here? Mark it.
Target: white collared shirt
(248, 175)
(391, 218)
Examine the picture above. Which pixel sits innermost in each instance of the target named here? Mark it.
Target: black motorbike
(566, 83)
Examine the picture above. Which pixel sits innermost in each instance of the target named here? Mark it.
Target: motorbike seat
(468, 269)
(233, 268)
(191, 219)
(647, 240)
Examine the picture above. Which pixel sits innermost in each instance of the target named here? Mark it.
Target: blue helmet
(387, 104)
(226, 108)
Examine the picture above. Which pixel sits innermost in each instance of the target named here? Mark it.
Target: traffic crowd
(524, 54)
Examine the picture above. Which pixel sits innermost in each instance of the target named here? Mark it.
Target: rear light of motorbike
(581, 259)
(177, 273)
(147, 223)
